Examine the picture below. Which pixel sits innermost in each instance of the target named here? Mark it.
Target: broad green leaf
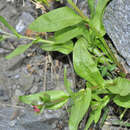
(97, 21)
(79, 108)
(55, 20)
(2, 20)
(96, 112)
(123, 101)
(19, 50)
(64, 48)
(67, 83)
(54, 96)
(69, 33)
(91, 5)
(84, 65)
(119, 86)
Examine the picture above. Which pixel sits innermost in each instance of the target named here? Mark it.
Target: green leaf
(97, 21)
(90, 120)
(69, 33)
(79, 108)
(56, 99)
(54, 95)
(19, 50)
(56, 104)
(119, 86)
(96, 113)
(84, 65)
(55, 20)
(91, 5)
(1, 38)
(123, 101)
(64, 48)
(67, 83)
(104, 117)
(9, 26)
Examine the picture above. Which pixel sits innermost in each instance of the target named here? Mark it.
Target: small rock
(66, 128)
(25, 80)
(53, 114)
(24, 20)
(17, 76)
(116, 21)
(53, 125)
(1, 92)
(34, 89)
(4, 95)
(2, 50)
(12, 123)
(18, 92)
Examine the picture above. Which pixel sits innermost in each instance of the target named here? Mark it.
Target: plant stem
(8, 35)
(111, 54)
(40, 40)
(104, 117)
(122, 114)
(78, 10)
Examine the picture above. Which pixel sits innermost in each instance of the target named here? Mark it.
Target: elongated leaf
(91, 5)
(19, 50)
(56, 104)
(55, 20)
(123, 101)
(119, 86)
(103, 103)
(78, 110)
(54, 96)
(64, 48)
(104, 117)
(96, 113)
(84, 65)
(49, 99)
(97, 21)
(67, 83)
(8, 26)
(90, 120)
(69, 33)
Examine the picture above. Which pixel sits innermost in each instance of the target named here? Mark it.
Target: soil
(29, 73)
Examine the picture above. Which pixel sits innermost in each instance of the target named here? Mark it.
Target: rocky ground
(31, 72)
(28, 73)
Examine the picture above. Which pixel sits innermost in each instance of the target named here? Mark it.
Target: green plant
(90, 53)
